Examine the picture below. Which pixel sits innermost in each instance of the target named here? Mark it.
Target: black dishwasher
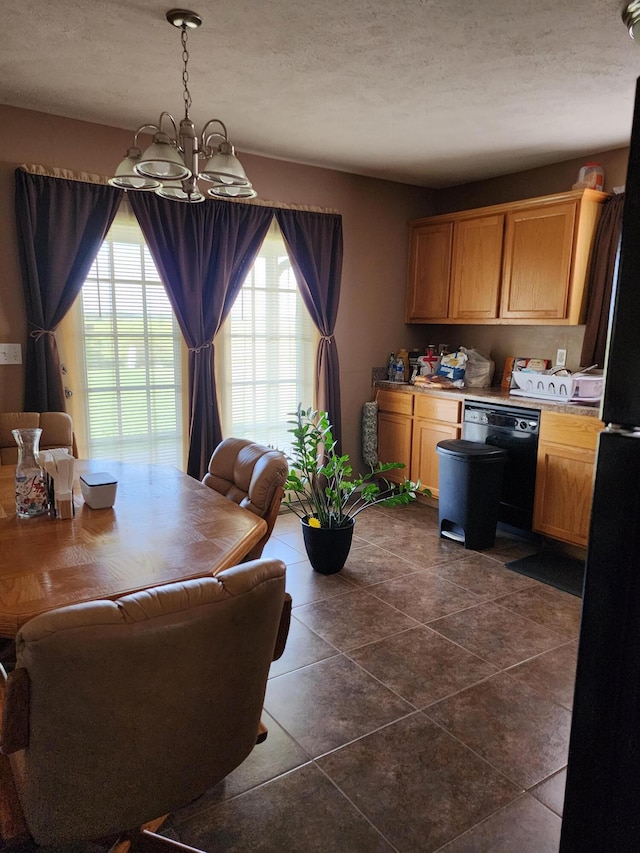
(515, 430)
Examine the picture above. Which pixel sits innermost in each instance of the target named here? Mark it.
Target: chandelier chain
(185, 72)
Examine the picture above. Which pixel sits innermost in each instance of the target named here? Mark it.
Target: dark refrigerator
(602, 801)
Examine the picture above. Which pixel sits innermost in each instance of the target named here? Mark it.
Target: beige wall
(375, 215)
(559, 177)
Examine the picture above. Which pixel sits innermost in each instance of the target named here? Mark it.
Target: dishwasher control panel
(506, 418)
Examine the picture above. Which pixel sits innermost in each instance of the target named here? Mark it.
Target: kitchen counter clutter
(413, 420)
(495, 395)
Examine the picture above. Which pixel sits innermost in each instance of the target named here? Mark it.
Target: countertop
(493, 395)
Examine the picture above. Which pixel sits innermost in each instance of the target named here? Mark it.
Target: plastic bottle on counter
(399, 370)
(391, 368)
(404, 356)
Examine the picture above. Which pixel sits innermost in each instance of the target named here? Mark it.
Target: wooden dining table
(164, 527)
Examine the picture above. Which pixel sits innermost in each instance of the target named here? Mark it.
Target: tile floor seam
(487, 818)
(404, 612)
(360, 812)
(295, 607)
(379, 728)
(315, 758)
(382, 639)
(543, 695)
(306, 666)
(461, 690)
(371, 675)
(562, 637)
(519, 784)
(211, 807)
(434, 571)
(477, 654)
(447, 731)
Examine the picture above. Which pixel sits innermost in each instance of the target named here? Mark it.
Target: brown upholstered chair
(251, 475)
(57, 431)
(119, 712)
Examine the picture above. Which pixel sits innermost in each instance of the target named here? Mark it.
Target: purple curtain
(203, 253)
(314, 242)
(61, 225)
(602, 267)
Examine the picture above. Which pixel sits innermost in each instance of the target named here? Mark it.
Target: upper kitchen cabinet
(522, 262)
(477, 264)
(429, 272)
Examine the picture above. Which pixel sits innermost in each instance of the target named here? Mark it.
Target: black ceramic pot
(327, 548)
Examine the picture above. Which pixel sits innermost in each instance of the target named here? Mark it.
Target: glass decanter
(31, 487)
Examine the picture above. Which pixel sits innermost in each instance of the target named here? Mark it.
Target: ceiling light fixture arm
(204, 138)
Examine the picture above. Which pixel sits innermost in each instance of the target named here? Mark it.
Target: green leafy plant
(321, 487)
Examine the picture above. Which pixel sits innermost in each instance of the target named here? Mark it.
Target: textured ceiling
(428, 92)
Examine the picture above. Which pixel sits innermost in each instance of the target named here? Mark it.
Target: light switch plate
(561, 358)
(10, 354)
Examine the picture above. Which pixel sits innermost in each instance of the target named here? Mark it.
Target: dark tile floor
(423, 703)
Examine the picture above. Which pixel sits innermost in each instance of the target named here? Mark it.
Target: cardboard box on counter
(531, 365)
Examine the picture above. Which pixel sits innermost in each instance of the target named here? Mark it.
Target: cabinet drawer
(395, 401)
(437, 409)
(572, 430)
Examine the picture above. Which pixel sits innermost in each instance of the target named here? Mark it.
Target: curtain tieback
(200, 348)
(327, 338)
(38, 333)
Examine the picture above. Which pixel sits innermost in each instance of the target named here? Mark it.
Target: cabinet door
(424, 457)
(477, 267)
(394, 443)
(537, 262)
(429, 272)
(564, 475)
(564, 488)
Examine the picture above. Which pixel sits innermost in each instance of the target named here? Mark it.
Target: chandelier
(170, 165)
(631, 17)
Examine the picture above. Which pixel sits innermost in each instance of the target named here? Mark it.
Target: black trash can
(470, 483)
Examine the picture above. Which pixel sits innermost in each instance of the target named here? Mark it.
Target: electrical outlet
(10, 354)
(561, 357)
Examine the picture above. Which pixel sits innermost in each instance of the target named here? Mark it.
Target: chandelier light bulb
(126, 176)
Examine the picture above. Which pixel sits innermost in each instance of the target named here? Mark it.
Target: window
(125, 361)
(266, 351)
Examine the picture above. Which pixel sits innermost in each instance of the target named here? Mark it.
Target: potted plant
(322, 491)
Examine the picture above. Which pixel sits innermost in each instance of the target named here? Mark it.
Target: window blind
(130, 344)
(266, 351)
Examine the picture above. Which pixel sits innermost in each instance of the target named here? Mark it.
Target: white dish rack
(577, 388)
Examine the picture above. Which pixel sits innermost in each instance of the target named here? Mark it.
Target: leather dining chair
(251, 475)
(57, 431)
(119, 712)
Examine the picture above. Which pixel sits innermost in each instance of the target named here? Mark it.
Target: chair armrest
(13, 828)
(15, 712)
(283, 628)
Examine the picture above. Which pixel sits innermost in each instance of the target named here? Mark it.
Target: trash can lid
(462, 448)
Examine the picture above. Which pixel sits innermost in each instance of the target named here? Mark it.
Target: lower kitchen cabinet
(409, 428)
(435, 419)
(426, 435)
(565, 473)
(395, 425)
